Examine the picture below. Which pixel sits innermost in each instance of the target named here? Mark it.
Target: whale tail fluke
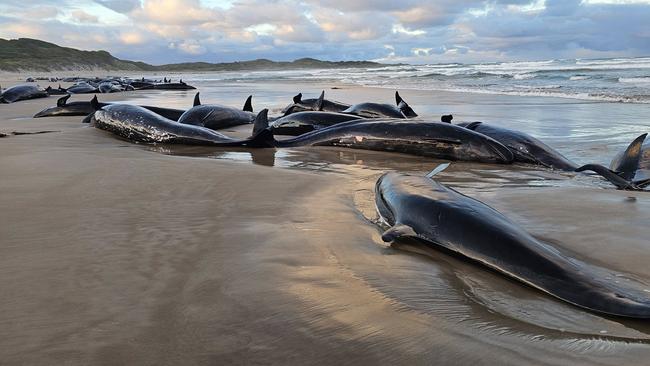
(404, 107)
(248, 105)
(610, 175)
(197, 100)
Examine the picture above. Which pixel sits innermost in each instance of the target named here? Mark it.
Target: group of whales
(87, 86)
(415, 209)
(370, 126)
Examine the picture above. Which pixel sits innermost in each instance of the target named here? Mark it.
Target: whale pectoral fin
(197, 100)
(62, 101)
(298, 98)
(398, 231)
(438, 169)
(398, 99)
(248, 105)
(319, 103)
(630, 162)
(472, 126)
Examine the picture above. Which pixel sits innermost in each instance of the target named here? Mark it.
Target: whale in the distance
(22, 92)
(82, 108)
(314, 104)
(423, 210)
(381, 110)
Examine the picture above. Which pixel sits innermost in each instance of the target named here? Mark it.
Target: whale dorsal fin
(629, 163)
(197, 100)
(63, 100)
(438, 169)
(318, 106)
(472, 126)
(248, 105)
(95, 103)
(404, 107)
(298, 98)
(397, 231)
(261, 122)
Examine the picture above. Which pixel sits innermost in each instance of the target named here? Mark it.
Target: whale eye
(619, 296)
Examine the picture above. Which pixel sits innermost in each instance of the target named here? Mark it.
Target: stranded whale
(424, 210)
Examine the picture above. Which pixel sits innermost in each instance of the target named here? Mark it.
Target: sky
(410, 31)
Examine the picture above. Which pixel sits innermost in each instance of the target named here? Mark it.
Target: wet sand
(118, 253)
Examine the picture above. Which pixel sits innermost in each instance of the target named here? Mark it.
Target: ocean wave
(636, 80)
(578, 77)
(524, 76)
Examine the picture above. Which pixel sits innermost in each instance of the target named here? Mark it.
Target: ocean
(617, 80)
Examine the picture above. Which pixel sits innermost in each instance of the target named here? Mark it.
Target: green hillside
(26, 54)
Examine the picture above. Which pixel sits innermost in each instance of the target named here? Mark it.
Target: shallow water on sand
(308, 262)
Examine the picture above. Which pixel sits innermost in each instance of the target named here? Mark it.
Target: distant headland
(25, 54)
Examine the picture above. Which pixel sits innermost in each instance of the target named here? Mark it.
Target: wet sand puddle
(466, 297)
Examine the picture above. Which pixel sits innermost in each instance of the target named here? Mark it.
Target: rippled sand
(117, 253)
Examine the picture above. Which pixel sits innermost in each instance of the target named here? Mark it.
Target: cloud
(163, 31)
(83, 17)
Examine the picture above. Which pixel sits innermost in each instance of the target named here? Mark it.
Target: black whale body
(296, 124)
(138, 124)
(22, 92)
(525, 148)
(432, 139)
(216, 117)
(422, 209)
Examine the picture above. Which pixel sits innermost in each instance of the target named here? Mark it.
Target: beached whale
(63, 108)
(82, 88)
(432, 139)
(314, 104)
(22, 92)
(58, 91)
(298, 123)
(629, 170)
(424, 210)
(138, 124)
(525, 148)
(381, 110)
(215, 117)
(108, 87)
